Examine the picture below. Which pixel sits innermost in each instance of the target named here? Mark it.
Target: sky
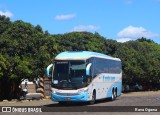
(120, 20)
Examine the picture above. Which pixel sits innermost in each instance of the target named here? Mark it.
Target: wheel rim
(113, 95)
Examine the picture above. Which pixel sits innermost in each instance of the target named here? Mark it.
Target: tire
(114, 95)
(93, 98)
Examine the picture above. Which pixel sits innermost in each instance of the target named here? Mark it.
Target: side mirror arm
(48, 70)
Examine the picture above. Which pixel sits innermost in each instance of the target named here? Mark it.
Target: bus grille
(67, 94)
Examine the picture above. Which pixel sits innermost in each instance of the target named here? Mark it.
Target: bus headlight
(82, 90)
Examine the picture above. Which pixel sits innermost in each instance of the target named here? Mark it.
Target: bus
(84, 76)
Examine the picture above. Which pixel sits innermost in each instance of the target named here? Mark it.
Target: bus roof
(81, 55)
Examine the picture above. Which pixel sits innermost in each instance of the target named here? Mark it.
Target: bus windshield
(69, 74)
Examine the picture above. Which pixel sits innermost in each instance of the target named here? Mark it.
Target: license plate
(67, 99)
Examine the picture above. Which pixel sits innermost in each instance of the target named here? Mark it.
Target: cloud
(123, 40)
(6, 13)
(136, 32)
(65, 17)
(86, 28)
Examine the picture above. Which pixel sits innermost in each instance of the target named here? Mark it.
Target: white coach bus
(85, 76)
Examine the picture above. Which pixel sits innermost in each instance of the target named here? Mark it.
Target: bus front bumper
(79, 98)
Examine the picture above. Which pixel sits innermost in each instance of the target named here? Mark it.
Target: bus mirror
(88, 69)
(48, 70)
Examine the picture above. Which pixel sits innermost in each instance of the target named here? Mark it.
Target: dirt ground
(142, 93)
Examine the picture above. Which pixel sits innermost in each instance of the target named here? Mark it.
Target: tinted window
(106, 66)
(69, 74)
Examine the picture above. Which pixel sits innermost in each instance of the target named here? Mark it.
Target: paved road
(129, 99)
(138, 99)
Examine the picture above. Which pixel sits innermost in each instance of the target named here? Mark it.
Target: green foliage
(145, 40)
(4, 24)
(3, 65)
(78, 41)
(140, 61)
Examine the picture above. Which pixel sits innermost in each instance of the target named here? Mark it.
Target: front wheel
(93, 98)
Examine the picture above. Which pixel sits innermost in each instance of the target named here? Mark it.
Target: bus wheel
(93, 98)
(113, 95)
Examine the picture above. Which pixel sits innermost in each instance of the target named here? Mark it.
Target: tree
(140, 61)
(4, 24)
(3, 65)
(111, 46)
(19, 45)
(145, 40)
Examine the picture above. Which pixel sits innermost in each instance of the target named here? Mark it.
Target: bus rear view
(84, 77)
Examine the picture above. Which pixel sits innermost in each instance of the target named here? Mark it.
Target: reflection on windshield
(69, 74)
